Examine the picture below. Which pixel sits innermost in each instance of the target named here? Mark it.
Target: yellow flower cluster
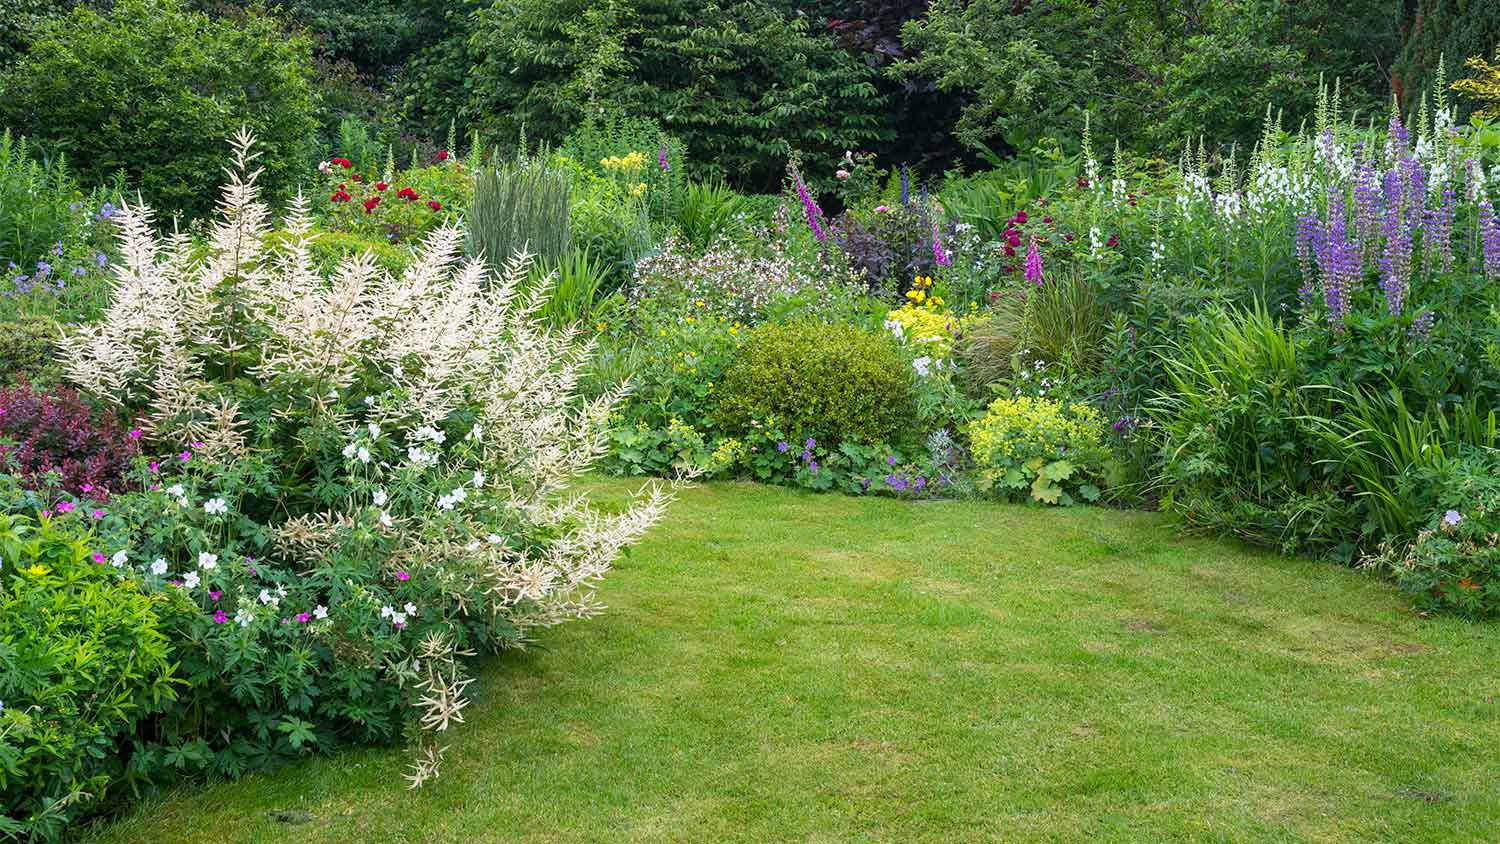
(930, 330)
(625, 163)
(1024, 427)
(921, 293)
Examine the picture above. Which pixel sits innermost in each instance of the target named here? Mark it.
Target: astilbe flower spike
(467, 346)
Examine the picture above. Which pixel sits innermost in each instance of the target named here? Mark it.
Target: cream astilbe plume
(404, 364)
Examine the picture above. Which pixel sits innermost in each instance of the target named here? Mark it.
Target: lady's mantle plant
(364, 477)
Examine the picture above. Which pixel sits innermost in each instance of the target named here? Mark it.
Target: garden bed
(781, 666)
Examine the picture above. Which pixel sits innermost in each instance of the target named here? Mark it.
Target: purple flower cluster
(939, 254)
(1437, 233)
(1338, 260)
(814, 214)
(1034, 264)
(1489, 235)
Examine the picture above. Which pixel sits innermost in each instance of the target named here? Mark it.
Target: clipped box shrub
(832, 381)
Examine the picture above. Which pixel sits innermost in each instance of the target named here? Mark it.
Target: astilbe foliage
(55, 432)
(410, 442)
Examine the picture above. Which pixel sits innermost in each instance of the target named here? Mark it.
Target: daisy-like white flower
(411, 609)
(216, 506)
(385, 519)
(380, 498)
(386, 611)
(320, 612)
(158, 567)
(476, 433)
(207, 561)
(190, 580)
(118, 560)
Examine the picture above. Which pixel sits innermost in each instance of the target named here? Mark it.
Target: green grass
(779, 667)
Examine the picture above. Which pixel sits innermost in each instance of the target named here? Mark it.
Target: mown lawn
(784, 667)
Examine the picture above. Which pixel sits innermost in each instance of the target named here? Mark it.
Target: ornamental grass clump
(363, 478)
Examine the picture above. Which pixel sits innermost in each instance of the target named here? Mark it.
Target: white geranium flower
(411, 609)
(208, 561)
(118, 560)
(320, 612)
(363, 454)
(380, 498)
(177, 490)
(158, 567)
(386, 611)
(385, 519)
(215, 506)
(190, 580)
(374, 431)
(478, 480)
(349, 450)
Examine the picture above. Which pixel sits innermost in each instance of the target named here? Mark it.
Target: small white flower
(921, 365)
(385, 518)
(369, 400)
(207, 561)
(190, 580)
(349, 450)
(476, 433)
(158, 567)
(380, 498)
(176, 489)
(386, 611)
(472, 546)
(280, 591)
(243, 617)
(265, 596)
(478, 480)
(494, 539)
(118, 560)
(397, 618)
(363, 454)
(320, 612)
(215, 505)
(374, 431)
(411, 609)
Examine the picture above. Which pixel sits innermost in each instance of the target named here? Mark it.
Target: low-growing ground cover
(779, 666)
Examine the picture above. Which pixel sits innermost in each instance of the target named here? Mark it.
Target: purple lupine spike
(1367, 206)
(1437, 233)
(1421, 327)
(905, 185)
(1397, 135)
(1489, 234)
(1309, 232)
(1338, 260)
(1414, 174)
(1395, 263)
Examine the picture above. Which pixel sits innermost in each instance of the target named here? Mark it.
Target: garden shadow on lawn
(780, 666)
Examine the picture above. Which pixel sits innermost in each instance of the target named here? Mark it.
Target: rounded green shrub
(156, 91)
(835, 382)
(82, 661)
(1041, 449)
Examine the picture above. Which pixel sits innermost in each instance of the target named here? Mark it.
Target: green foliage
(1238, 453)
(576, 291)
(1030, 70)
(153, 90)
(1452, 563)
(712, 210)
(29, 351)
(520, 206)
(1439, 35)
(741, 84)
(1482, 86)
(1040, 449)
(83, 663)
(836, 382)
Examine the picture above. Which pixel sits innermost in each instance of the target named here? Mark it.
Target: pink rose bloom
(841, 175)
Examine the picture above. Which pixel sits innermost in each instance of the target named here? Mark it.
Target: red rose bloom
(381, 185)
(357, 178)
(371, 203)
(442, 155)
(434, 205)
(1020, 216)
(342, 162)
